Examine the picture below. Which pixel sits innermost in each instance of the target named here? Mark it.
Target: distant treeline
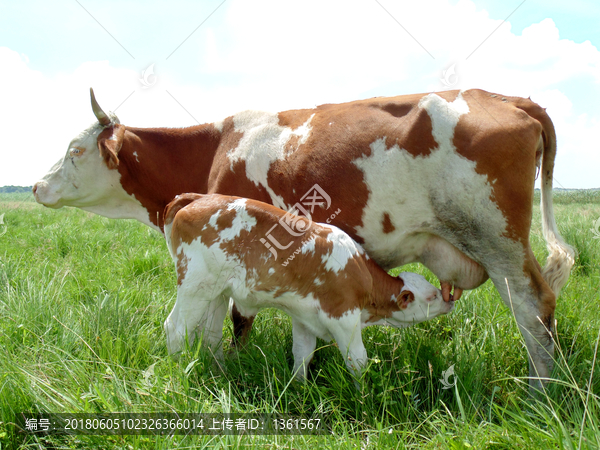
(17, 189)
(566, 196)
(560, 195)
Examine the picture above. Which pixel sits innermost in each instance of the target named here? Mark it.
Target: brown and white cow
(445, 179)
(332, 291)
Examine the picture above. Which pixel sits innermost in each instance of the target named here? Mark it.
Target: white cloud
(40, 115)
(273, 55)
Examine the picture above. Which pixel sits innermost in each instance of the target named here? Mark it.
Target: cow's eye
(76, 151)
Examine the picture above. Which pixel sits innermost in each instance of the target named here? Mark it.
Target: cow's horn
(100, 115)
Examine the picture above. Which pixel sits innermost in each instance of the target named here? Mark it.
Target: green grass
(83, 300)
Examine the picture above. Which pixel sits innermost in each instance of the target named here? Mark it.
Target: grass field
(83, 300)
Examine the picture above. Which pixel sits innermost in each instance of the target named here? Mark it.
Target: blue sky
(213, 58)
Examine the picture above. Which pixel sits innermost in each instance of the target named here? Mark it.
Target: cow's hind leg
(528, 296)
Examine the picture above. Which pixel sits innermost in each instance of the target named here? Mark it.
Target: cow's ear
(405, 298)
(109, 144)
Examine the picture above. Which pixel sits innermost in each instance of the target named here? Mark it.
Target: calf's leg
(303, 348)
(346, 331)
(195, 313)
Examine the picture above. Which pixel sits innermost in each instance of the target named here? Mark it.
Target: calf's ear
(110, 141)
(405, 298)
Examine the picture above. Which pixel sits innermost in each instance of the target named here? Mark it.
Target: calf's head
(418, 301)
(87, 176)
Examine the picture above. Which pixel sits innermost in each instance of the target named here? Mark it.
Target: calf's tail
(171, 210)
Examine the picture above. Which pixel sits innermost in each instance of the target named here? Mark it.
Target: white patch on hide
(241, 221)
(344, 249)
(264, 142)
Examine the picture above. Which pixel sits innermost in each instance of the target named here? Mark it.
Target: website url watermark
(3, 227)
(297, 221)
(595, 229)
(446, 374)
(313, 235)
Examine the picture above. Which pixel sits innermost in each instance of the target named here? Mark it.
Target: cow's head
(88, 176)
(419, 300)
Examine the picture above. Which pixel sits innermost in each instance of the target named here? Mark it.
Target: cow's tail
(561, 256)
(171, 210)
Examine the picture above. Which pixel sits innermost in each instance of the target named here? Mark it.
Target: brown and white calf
(445, 179)
(332, 289)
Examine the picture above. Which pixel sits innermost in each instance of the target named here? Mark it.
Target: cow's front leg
(241, 327)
